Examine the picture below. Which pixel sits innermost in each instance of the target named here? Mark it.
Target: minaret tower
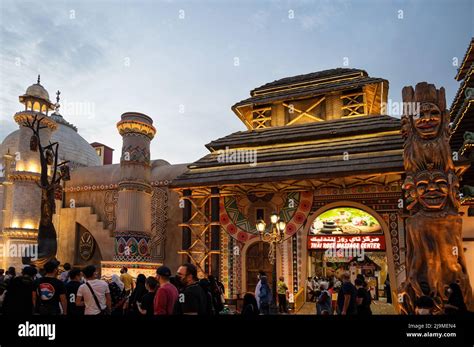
(132, 234)
(22, 222)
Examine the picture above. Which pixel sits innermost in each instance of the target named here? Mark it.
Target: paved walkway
(378, 307)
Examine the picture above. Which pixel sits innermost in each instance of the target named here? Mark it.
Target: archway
(382, 236)
(256, 259)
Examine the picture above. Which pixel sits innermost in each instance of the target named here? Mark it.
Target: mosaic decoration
(93, 187)
(130, 247)
(159, 210)
(238, 268)
(294, 257)
(231, 266)
(365, 189)
(136, 154)
(224, 262)
(99, 187)
(295, 211)
(110, 205)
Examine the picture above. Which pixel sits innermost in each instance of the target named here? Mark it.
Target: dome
(72, 146)
(38, 91)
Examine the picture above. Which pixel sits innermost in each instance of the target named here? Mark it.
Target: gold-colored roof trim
(134, 126)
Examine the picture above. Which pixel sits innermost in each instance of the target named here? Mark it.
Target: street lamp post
(273, 236)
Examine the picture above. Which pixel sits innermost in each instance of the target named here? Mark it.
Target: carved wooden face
(432, 189)
(427, 122)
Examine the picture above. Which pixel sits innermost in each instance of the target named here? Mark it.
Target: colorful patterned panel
(295, 212)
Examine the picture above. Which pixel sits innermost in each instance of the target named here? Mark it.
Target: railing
(300, 299)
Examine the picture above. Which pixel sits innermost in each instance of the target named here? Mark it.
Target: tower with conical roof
(22, 219)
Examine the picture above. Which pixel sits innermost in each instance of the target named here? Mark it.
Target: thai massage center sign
(365, 242)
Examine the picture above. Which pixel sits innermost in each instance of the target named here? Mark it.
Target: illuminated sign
(365, 242)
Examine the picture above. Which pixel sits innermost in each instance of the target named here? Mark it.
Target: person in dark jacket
(249, 308)
(205, 284)
(216, 293)
(192, 298)
(18, 297)
(138, 292)
(363, 298)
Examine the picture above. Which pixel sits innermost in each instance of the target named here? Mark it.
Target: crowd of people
(74, 292)
(342, 297)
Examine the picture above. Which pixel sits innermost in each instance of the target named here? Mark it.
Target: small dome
(72, 146)
(38, 91)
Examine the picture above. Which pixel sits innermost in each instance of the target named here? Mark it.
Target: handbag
(103, 312)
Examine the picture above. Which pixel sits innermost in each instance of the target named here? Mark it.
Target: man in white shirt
(84, 296)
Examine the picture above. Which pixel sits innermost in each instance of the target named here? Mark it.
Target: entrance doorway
(257, 260)
(349, 239)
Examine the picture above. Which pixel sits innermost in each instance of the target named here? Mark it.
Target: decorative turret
(132, 235)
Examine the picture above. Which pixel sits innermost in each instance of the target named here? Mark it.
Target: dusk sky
(185, 63)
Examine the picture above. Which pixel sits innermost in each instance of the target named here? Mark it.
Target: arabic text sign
(365, 242)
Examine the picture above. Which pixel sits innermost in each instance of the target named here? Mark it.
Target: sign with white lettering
(365, 242)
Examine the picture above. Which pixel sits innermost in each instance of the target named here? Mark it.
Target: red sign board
(365, 242)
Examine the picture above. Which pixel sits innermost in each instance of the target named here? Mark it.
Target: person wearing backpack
(216, 293)
(94, 294)
(206, 286)
(324, 301)
(265, 295)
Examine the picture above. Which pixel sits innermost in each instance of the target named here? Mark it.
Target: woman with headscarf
(116, 287)
(265, 295)
(137, 295)
(455, 304)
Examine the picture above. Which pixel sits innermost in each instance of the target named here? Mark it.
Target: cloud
(321, 14)
(260, 19)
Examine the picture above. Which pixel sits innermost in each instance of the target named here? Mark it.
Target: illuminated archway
(377, 218)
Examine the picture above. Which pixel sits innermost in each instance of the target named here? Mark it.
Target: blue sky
(175, 60)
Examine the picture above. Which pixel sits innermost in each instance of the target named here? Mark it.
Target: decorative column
(133, 215)
(215, 234)
(133, 230)
(186, 240)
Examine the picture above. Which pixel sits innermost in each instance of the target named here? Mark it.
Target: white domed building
(19, 195)
(99, 198)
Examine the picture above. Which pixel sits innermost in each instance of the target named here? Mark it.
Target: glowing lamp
(281, 226)
(261, 226)
(274, 218)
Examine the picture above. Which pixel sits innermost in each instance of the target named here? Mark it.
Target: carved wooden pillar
(435, 256)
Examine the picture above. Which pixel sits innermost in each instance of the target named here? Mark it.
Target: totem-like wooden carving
(49, 184)
(435, 256)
